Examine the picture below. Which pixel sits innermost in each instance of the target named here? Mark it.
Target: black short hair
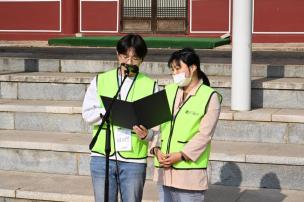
(132, 41)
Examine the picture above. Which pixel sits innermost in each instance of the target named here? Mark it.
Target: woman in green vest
(182, 152)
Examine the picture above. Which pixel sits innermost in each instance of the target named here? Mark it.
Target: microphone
(130, 68)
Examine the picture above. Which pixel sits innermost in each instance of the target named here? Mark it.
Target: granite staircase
(44, 156)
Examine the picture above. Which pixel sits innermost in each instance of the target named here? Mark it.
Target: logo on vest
(191, 113)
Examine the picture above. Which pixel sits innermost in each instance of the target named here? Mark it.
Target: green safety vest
(107, 85)
(179, 131)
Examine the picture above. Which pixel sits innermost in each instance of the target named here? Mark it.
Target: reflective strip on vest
(107, 85)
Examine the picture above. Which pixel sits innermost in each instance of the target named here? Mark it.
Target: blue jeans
(131, 177)
(171, 194)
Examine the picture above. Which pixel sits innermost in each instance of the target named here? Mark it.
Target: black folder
(149, 111)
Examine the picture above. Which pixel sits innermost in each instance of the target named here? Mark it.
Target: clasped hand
(167, 160)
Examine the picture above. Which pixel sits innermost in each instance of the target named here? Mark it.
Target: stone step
(216, 68)
(74, 107)
(231, 163)
(54, 187)
(288, 92)
(49, 187)
(49, 152)
(259, 125)
(217, 193)
(34, 187)
(257, 70)
(42, 115)
(85, 78)
(261, 53)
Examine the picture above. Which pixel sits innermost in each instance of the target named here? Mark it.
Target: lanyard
(119, 81)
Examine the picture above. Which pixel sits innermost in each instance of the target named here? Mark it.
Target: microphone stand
(105, 119)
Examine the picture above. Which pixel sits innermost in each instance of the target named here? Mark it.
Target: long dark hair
(189, 57)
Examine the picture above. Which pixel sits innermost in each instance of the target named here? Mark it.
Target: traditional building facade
(272, 20)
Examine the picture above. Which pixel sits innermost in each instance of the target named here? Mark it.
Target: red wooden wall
(278, 21)
(273, 20)
(37, 19)
(209, 16)
(99, 16)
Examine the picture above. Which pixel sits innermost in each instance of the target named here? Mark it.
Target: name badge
(122, 138)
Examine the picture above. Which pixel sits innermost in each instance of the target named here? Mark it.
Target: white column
(241, 55)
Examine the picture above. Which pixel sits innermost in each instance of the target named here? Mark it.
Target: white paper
(123, 139)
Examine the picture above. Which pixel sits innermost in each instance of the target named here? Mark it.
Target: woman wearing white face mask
(182, 151)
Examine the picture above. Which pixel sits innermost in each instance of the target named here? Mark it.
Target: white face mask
(181, 80)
